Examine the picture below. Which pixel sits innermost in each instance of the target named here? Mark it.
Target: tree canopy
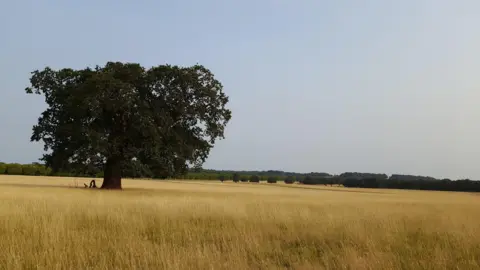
(165, 117)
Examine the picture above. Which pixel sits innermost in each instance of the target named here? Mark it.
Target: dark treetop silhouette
(166, 117)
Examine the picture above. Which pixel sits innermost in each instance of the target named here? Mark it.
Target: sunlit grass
(45, 223)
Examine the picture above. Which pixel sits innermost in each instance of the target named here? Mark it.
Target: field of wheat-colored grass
(46, 223)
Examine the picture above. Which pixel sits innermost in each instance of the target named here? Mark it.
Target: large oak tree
(165, 117)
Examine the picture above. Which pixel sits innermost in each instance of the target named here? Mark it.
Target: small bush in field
(254, 179)
(289, 180)
(272, 180)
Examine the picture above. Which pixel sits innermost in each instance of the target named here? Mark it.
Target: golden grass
(44, 224)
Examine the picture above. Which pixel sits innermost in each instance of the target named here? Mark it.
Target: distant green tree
(289, 180)
(272, 179)
(3, 168)
(236, 177)
(14, 169)
(254, 179)
(29, 169)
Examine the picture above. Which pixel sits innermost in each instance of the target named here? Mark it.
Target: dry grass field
(45, 223)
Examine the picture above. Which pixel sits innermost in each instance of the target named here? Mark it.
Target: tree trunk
(112, 175)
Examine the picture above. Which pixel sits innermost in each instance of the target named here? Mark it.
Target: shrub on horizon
(289, 180)
(254, 179)
(272, 180)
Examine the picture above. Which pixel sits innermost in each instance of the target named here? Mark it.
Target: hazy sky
(369, 86)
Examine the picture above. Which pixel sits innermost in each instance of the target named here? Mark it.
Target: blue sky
(370, 86)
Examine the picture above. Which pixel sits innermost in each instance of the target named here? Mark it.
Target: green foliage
(254, 179)
(14, 169)
(317, 180)
(300, 179)
(352, 180)
(289, 180)
(29, 170)
(272, 180)
(97, 118)
(135, 169)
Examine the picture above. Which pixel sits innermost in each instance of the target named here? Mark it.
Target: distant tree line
(398, 181)
(349, 179)
(133, 170)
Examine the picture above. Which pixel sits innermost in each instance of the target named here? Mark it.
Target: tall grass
(45, 224)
